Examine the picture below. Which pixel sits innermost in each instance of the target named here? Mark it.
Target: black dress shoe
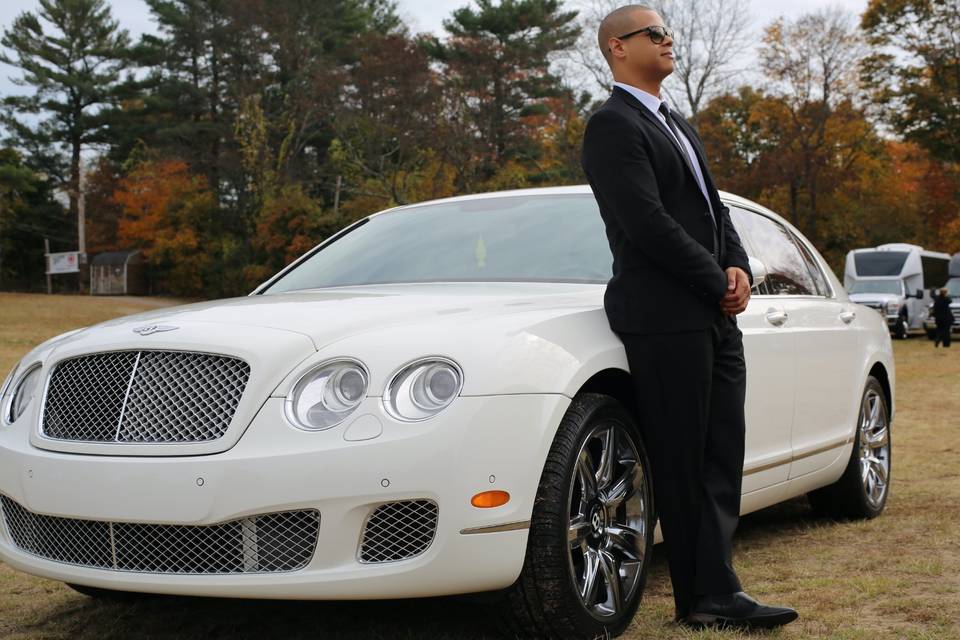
(737, 610)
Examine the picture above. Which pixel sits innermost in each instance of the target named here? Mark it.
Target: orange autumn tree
(165, 211)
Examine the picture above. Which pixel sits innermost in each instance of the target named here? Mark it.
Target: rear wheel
(861, 492)
(591, 534)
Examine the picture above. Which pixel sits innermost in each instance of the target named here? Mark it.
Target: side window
(743, 223)
(819, 279)
(787, 272)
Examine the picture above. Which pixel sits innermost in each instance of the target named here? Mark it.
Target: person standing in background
(943, 316)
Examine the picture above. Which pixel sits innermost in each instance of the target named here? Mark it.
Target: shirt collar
(648, 100)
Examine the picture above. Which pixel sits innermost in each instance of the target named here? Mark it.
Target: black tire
(931, 334)
(107, 594)
(902, 329)
(544, 601)
(848, 497)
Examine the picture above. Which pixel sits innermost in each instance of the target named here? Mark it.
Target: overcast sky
(420, 15)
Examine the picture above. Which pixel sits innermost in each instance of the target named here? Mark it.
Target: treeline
(246, 131)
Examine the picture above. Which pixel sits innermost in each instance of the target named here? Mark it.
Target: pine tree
(498, 58)
(71, 54)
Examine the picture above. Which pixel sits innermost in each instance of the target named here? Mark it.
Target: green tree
(28, 213)
(498, 58)
(914, 70)
(812, 63)
(71, 54)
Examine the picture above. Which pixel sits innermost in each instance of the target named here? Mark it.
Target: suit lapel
(627, 97)
(707, 177)
(636, 104)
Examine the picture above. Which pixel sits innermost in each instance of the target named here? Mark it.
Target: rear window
(879, 263)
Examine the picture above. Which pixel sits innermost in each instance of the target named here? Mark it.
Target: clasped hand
(738, 291)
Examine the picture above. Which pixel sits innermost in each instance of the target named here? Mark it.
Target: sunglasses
(656, 32)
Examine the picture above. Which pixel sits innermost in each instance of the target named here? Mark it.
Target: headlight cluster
(422, 389)
(16, 393)
(327, 394)
(893, 307)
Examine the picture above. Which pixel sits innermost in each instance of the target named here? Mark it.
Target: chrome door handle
(775, 317)
(848, 316)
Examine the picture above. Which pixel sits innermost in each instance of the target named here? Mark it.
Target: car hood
(873, 298)
(327, 315)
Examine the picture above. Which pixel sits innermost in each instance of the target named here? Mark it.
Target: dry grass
(897, 576)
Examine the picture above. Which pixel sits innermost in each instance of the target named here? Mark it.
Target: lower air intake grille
(266, 543)
(399, 530)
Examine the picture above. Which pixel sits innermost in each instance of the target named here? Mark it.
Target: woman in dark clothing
(943, 317)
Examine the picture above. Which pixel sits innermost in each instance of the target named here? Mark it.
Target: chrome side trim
(797, 456)
(494, 528)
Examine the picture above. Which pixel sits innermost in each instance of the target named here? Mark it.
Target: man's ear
(616, 48)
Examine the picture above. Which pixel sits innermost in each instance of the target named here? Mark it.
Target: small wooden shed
(118, 273)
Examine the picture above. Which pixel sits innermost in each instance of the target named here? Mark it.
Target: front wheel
(591, 533)
(902, 329)
(861, 492)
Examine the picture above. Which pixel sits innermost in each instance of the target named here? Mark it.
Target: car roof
(574, 189)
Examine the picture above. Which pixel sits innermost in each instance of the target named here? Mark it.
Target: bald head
(619, 21)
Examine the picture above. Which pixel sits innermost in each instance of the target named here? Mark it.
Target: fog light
(488, 499)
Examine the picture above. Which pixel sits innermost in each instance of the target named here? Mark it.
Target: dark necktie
(686, 158)
(676, 134)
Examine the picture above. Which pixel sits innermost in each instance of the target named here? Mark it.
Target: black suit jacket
(665, 274)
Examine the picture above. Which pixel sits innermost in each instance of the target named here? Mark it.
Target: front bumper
(477, 444)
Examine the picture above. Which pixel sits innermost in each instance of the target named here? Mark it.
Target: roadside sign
(65, 262)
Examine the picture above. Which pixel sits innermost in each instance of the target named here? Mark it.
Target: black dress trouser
(943, 332)
(690, 388)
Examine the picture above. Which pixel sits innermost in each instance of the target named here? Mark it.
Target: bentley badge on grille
(153, 328)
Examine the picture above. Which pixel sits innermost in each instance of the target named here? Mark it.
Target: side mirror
(920, 293)
(758, 269)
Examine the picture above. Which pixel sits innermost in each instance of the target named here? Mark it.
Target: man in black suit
(680, 277)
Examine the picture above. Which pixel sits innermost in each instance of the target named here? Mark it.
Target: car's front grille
(272, 542)
(143, 397)
(399, 530)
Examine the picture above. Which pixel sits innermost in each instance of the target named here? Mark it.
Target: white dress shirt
(653, 103)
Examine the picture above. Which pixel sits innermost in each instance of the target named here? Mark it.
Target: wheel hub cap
(874, 451)
(607, 528)
(598, 521)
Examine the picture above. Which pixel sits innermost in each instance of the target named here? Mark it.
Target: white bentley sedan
(429, 402)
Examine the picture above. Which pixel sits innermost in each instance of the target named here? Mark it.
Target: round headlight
(22, 393)
(422, 389)
(6, 382)
(326, 395)
(5, 390)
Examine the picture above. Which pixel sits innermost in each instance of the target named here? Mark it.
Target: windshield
(879, 263)
(953, 287)
(558, 238)
(876, 286)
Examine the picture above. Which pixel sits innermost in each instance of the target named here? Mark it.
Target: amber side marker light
(490, 499)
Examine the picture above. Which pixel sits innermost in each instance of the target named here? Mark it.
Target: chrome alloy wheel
(607, 516)
(874, 447)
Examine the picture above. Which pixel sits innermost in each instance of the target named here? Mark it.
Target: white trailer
(896, 279)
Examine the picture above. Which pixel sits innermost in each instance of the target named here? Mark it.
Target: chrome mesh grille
(399, 530)
(272, 542)
(143, 397)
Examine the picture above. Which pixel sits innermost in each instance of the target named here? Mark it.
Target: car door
(829, 369)
(769, 345)
(824, 330)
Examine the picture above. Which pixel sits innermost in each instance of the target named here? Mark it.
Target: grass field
(897, 576)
